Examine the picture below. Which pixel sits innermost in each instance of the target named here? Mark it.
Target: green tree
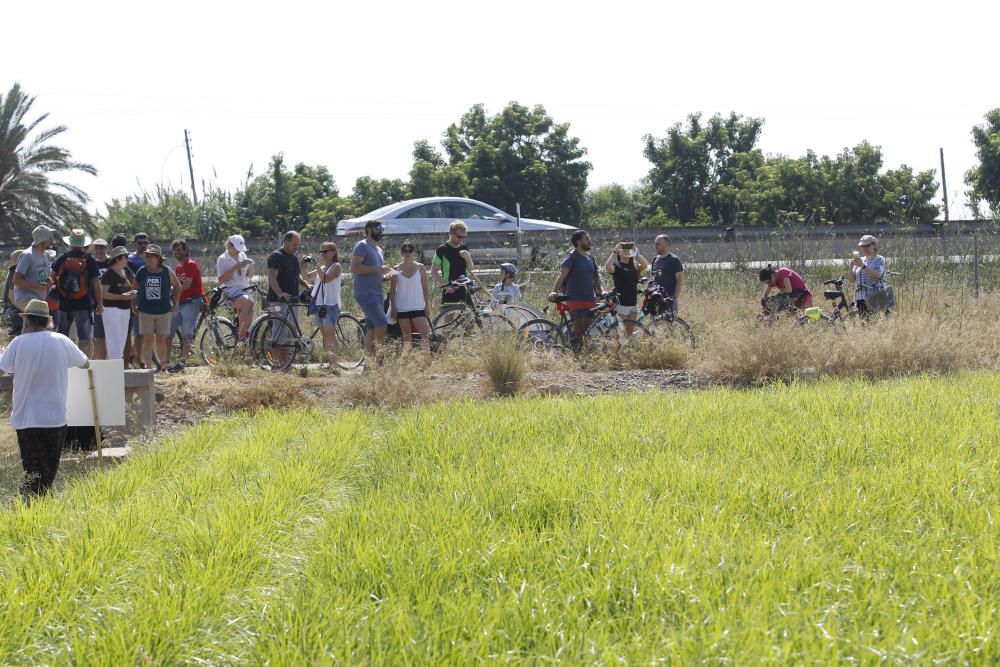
(517, 156)
(164, 214)
(692, 166)
(374, 193)
(28, 162)
(611, 206)
(984, 179)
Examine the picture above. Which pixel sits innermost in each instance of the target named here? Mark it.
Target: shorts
(458, 296)
(84, 324)
(233, 294)
(281, 334)
(154, 325)
(374, 311)
(580, 308)
(410, 315)
(186, 318)
(329, 318)
(801, 298)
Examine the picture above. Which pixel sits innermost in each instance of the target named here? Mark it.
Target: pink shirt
(795, 280)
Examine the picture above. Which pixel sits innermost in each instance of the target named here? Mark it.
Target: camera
(307, 258)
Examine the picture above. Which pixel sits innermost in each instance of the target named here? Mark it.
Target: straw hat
(37, 308)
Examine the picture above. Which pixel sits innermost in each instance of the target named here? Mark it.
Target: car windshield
(379, 212)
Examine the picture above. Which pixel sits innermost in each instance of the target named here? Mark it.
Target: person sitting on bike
(626, 265)
(785, 281)
(581, 281)
(409, 298)
(326, 295)
(506, 291)
(868, 273)
(234, 270)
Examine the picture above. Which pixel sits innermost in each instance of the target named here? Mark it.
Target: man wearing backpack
(78, 279)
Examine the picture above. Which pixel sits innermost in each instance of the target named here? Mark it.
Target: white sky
(353, 85)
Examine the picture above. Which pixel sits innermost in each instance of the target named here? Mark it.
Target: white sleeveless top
(327, 294)
(409, 292)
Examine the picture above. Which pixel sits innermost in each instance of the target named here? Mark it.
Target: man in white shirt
(39, 360)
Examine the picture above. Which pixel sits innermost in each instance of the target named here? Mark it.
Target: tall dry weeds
(506, 364)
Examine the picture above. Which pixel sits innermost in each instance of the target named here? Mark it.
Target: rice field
(839, 521)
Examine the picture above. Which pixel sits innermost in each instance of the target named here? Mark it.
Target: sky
(353, 85)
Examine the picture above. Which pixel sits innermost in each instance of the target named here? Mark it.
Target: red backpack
(72, 278)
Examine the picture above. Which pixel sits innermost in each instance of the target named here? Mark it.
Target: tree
(374, 193)
(517, 156)
(984, 179)
(169, 213)
(692, 172)
(28, 195)
(611, 206)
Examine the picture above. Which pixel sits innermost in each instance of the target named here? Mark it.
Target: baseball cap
(238, 242)
(102, 242)
(867, 239)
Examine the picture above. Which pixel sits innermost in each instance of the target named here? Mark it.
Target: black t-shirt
(7, 305)
(626, 277)
(118, 285)
(450, 260)
(665, 270)
(90, 272)
(288, 273)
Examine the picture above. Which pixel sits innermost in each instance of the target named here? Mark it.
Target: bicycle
(658, 315)
(843, 309)
(276, 339)
(542, 333)
(468, 317)
(219, 337)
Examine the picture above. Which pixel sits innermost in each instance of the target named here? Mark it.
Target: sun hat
(238, 242)
(77, 239)
(100, 242)
(117, 252)
(867, 239)
(153, 249)
(37, 308)
(41, 233)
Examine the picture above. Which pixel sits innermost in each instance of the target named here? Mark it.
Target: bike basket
(813, 313)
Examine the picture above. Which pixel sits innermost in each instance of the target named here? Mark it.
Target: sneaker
(176, 368)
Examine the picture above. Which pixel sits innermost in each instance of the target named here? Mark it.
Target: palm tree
(28, 196)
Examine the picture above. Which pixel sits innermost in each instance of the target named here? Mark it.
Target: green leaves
(984, 180)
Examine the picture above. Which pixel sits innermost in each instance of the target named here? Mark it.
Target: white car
(433, 215)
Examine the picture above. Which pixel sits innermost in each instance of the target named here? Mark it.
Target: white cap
(238, 242)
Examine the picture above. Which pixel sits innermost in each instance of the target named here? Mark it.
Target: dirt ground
(197, 393)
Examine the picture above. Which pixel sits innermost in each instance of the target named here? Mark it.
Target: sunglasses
(323, 252)
(460, 236)
(407, 251)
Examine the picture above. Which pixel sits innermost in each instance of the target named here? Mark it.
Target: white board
(109, 383)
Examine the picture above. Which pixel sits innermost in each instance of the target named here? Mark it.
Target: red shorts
(576, 308)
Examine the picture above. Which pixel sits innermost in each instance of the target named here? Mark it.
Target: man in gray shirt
(368, 268)
(31, 277)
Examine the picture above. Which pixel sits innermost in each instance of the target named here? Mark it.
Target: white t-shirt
(39, 362)
(240, 278)
(329, 293)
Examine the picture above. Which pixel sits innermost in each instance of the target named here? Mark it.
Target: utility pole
(194, 194)
(944, 187)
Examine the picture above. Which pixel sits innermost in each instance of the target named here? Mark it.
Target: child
(506, 291)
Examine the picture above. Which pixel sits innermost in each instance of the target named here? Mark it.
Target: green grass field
(833, 522)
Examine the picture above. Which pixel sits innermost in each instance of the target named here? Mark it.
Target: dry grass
(506, 364)
(278, 391)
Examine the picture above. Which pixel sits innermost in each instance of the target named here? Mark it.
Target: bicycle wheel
(218, 340)
(350, 341)
(493, 325)
(453, 322)
(273, 342)
(675, 329)
(542, 334)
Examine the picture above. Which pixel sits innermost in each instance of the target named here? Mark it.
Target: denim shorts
(185, 318)
(374, 310)
(84, 324)
(330, 318)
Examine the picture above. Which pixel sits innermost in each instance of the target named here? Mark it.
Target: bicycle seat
(833, 294)
(561, 299)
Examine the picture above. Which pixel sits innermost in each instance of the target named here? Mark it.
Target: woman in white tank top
(409, 300)
(326, 291)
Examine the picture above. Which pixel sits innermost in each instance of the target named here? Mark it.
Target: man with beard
(189, 275)
(368, 267)
(580, 280)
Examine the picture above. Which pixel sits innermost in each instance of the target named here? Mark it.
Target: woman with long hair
(326, 295)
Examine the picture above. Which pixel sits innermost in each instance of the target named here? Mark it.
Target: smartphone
(633, 252)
